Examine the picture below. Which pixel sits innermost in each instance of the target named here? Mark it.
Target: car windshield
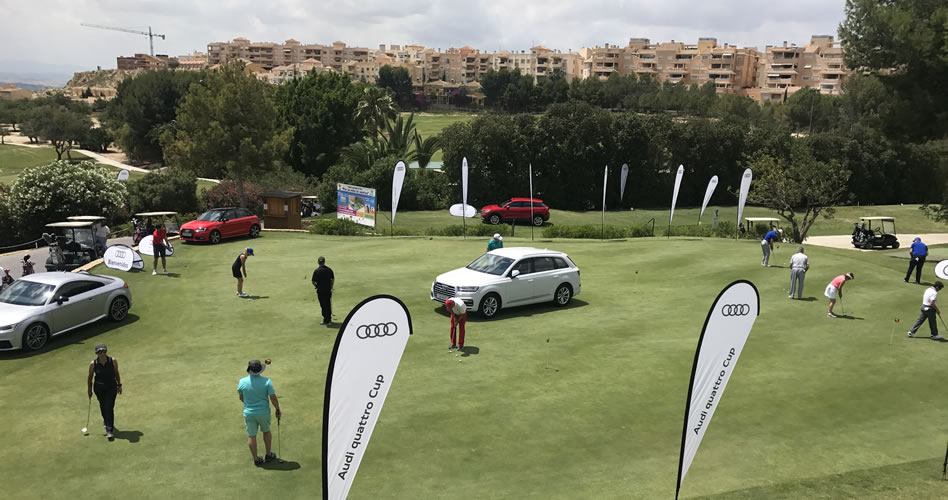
(26, 293)
(491, 264)
(212, 216)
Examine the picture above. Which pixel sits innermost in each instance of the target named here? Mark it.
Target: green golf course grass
(429, 124)
(817, 407)
(908, 219)
(15, 159)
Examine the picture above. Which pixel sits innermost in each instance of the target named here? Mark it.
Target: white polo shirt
(459, 308)
(931, 295)
(798, 261)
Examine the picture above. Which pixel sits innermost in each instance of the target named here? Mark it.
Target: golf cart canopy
(309, 197)
(761, 219)
(71, 224)
(886, 219)
(155, 214)
(86, 218)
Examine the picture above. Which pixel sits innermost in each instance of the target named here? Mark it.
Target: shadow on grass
(130, 436)
(79, 336)
(844, 316)
(807, 299)
(255, 297)
(470, 350)
(518, 311)
(280, 464)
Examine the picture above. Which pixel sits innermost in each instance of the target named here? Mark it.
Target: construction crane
(151, 36)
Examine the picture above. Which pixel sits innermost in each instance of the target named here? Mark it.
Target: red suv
(219, 223)
(517, 209)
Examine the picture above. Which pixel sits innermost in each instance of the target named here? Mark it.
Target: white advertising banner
(742, 198)
(623, 176)
(147, 247)
(460, 210)
(364, 359)
(941, 269)
(681, 172)
(123, 175)
(605, 182)
(464, 180)
(713, 183)
(123, 258)
(355, 203)
(397, 180)
(726, 328)
(530, 176)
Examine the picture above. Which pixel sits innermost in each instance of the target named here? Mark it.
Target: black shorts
(159, 250)
(236, 271)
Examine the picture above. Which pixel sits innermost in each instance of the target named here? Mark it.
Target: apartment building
(142, 61)
(784, 69)
(270, 55)
(194, 61)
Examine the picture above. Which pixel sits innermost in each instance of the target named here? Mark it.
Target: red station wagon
(516, 209)
(219, 223)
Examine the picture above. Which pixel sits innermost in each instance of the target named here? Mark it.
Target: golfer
(496, 242)
(767, 246)
(240, 265)
(256, 392)
(929, 310)
(107, 385)
(835, 290)
(159, 242)
(799, 265)
(458, 312)
(917, 253)
(102, 235)
(323, 281)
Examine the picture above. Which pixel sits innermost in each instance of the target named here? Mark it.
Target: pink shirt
(838, 281)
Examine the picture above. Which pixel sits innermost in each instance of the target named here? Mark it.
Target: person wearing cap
(929, 310)
(241, 265)
(458, 312)
(324, 280)
(256, 392)
(107, 384)
(767, 246)
(27, 265)
(799, 265)
(917, 253)
(159, 240)
(835, 290)
(496, 242)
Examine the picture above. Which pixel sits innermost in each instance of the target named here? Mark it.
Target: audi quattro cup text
(360, 430)
(714, 391)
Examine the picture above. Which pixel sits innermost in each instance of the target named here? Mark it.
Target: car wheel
(537, 221)
(490, 305)
(254, 231)
(35, 337)
(215, 237)
(564, 293)
(118, 309)
(895, 245)
(494, 219)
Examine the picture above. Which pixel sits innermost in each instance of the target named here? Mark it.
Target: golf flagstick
(944, 467)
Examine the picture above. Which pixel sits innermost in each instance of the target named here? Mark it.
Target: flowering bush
(52, 192)
(226, 194)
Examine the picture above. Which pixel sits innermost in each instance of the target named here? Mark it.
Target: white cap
(496, 236)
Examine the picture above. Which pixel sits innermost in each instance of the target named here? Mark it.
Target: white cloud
(48, 31)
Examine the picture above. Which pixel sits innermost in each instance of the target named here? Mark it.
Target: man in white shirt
(458, 312)
(101, 235)
(929, 310)
(799, 265)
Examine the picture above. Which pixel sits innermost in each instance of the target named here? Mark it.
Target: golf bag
(27, 265)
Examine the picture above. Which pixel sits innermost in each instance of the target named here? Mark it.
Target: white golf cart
(76, 239)
(875, 235)
(97, 222)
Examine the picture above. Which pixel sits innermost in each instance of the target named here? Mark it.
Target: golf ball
(84, 429)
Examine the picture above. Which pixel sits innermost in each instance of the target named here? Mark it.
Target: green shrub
(170, 190)
(338, 227)
(725, 229)
(226, 194)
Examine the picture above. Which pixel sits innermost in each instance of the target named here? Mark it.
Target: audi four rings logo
(736, 309)
(376, 330)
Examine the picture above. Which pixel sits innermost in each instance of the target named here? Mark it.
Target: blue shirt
(919, 249)
(256, 390)
(770, 236)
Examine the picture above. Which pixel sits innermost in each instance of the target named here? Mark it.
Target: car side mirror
(514, 273)
(61, 299)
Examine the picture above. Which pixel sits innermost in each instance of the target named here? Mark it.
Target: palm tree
(425, 149)
(375, 109)
(400, 135)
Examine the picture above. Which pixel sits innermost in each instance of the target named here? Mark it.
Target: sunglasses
(101, 351)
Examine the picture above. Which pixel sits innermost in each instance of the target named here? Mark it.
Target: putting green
(817, 407)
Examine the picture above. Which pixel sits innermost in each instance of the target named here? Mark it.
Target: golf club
(841, 306)
(279, 441)
(85, 430)
(942, 322)
(944, 467)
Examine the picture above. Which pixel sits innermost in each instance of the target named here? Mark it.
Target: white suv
(510, 277)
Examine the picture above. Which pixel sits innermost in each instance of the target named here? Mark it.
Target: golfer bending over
(241, 265)
(929, 310)
(256, 392)
(835, 290)
(767, 246)
(458, 312)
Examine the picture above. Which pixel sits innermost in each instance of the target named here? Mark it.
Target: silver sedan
(42, 305)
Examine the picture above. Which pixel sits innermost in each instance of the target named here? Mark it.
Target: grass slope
(817, 408)
(14, 159)
(432, 124)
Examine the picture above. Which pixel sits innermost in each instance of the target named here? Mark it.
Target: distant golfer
(240, 265)
(799, 265)
(496, 242)
(767, 246)
(835, 290)
(323, 281)
(102, 235)
(929, 310)
(159, 245)
(256, 392)
(917, 253)
(458, 312)
(107, 385)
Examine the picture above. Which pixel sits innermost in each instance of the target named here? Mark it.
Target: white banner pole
(713, 183)
(745, 187)
(671, 214)
(530, 174)
(605, 182)
(622, 178)
(464, 195)
(398, 178)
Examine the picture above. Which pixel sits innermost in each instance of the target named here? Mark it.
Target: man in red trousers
(458, 312)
